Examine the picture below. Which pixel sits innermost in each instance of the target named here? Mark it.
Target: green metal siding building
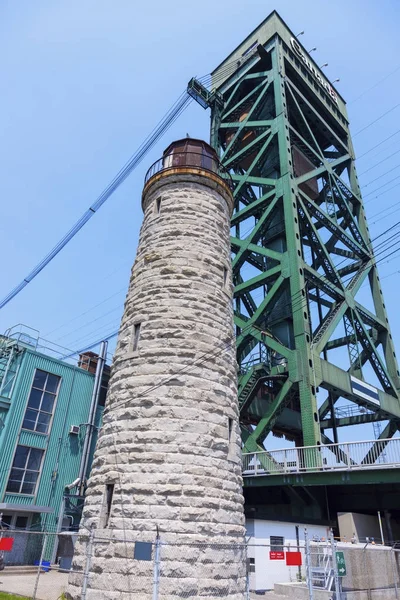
(44, 413)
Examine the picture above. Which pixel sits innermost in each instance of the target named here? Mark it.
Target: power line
(379, 144)
(380, 176)
(379, 163)
(175, 111)
(383, 185)
(90, 322)
(377, 119)
(375, 85)
(244, 234)
(297, 301)
(86, 311)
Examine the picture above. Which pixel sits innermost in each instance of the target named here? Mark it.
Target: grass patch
(5, 596)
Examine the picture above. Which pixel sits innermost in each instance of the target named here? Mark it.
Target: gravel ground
(51, 585)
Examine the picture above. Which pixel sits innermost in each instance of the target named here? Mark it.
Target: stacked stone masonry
(170, 441)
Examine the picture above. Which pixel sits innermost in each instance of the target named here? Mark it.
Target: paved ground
(51, 585)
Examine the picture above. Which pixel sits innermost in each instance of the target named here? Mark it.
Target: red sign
(293, 559)
(276, 555)
(6, 544)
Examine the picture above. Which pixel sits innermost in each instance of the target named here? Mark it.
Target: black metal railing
(200, 160)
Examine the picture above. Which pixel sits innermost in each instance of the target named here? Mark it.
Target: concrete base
(299, 591)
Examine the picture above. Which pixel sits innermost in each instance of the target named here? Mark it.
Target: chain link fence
(41, 566)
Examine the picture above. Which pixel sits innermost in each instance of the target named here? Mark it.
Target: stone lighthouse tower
(168, 457)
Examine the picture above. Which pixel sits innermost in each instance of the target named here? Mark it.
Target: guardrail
(201, 160)
(354, 456)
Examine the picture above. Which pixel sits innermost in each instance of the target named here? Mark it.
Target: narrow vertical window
(107, 505)
(230, 430)
(136, 336)
(158, 205)
(232, 448)
(225, 277)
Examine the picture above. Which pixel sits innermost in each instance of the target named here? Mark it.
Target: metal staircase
(248, 383)
(322, 570)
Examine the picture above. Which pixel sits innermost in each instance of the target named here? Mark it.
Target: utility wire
(382, 193)
(377, 164)
(379, 144)
(375, 84)
(243, 235)
(377, 119)
(297, 301)
(196, 363)
(89, 310)
(380, 176)
(175, 111)
(383, 185)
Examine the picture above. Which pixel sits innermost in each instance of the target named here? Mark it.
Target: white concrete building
(268, 543)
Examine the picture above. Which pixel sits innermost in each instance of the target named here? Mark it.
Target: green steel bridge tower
(301, 250)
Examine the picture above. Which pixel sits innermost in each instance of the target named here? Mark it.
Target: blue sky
(83, 83)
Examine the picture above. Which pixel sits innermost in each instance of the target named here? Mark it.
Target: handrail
(344, 456)
(200, 160)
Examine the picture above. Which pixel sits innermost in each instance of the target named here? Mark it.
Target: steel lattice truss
(301, 253)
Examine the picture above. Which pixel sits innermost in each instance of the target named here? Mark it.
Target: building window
(277, 543)
(252, 565)
(21, 522)
(41, 401)
(6, 521)
(25, 470)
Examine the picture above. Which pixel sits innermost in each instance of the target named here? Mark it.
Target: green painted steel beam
(291, 159)
(335, 379)
(363, 476)
(255, 282)
(360, 419)
(256, 438)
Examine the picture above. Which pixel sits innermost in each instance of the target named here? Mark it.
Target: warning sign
(6, 544)
(293, 559)
(276, 555)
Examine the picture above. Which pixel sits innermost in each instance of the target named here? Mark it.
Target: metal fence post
(308, 565)
(394, 569)
(366, 570)
(39, 567)
(156, 570)
(338, 595)
(89, 552)
(247, 580)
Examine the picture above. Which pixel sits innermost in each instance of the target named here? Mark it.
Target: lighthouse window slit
(230, 429)
(225, 277)
(135, 336)
(108, 503)
(158, 205)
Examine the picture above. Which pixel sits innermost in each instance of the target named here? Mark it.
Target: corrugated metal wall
(62, 450)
